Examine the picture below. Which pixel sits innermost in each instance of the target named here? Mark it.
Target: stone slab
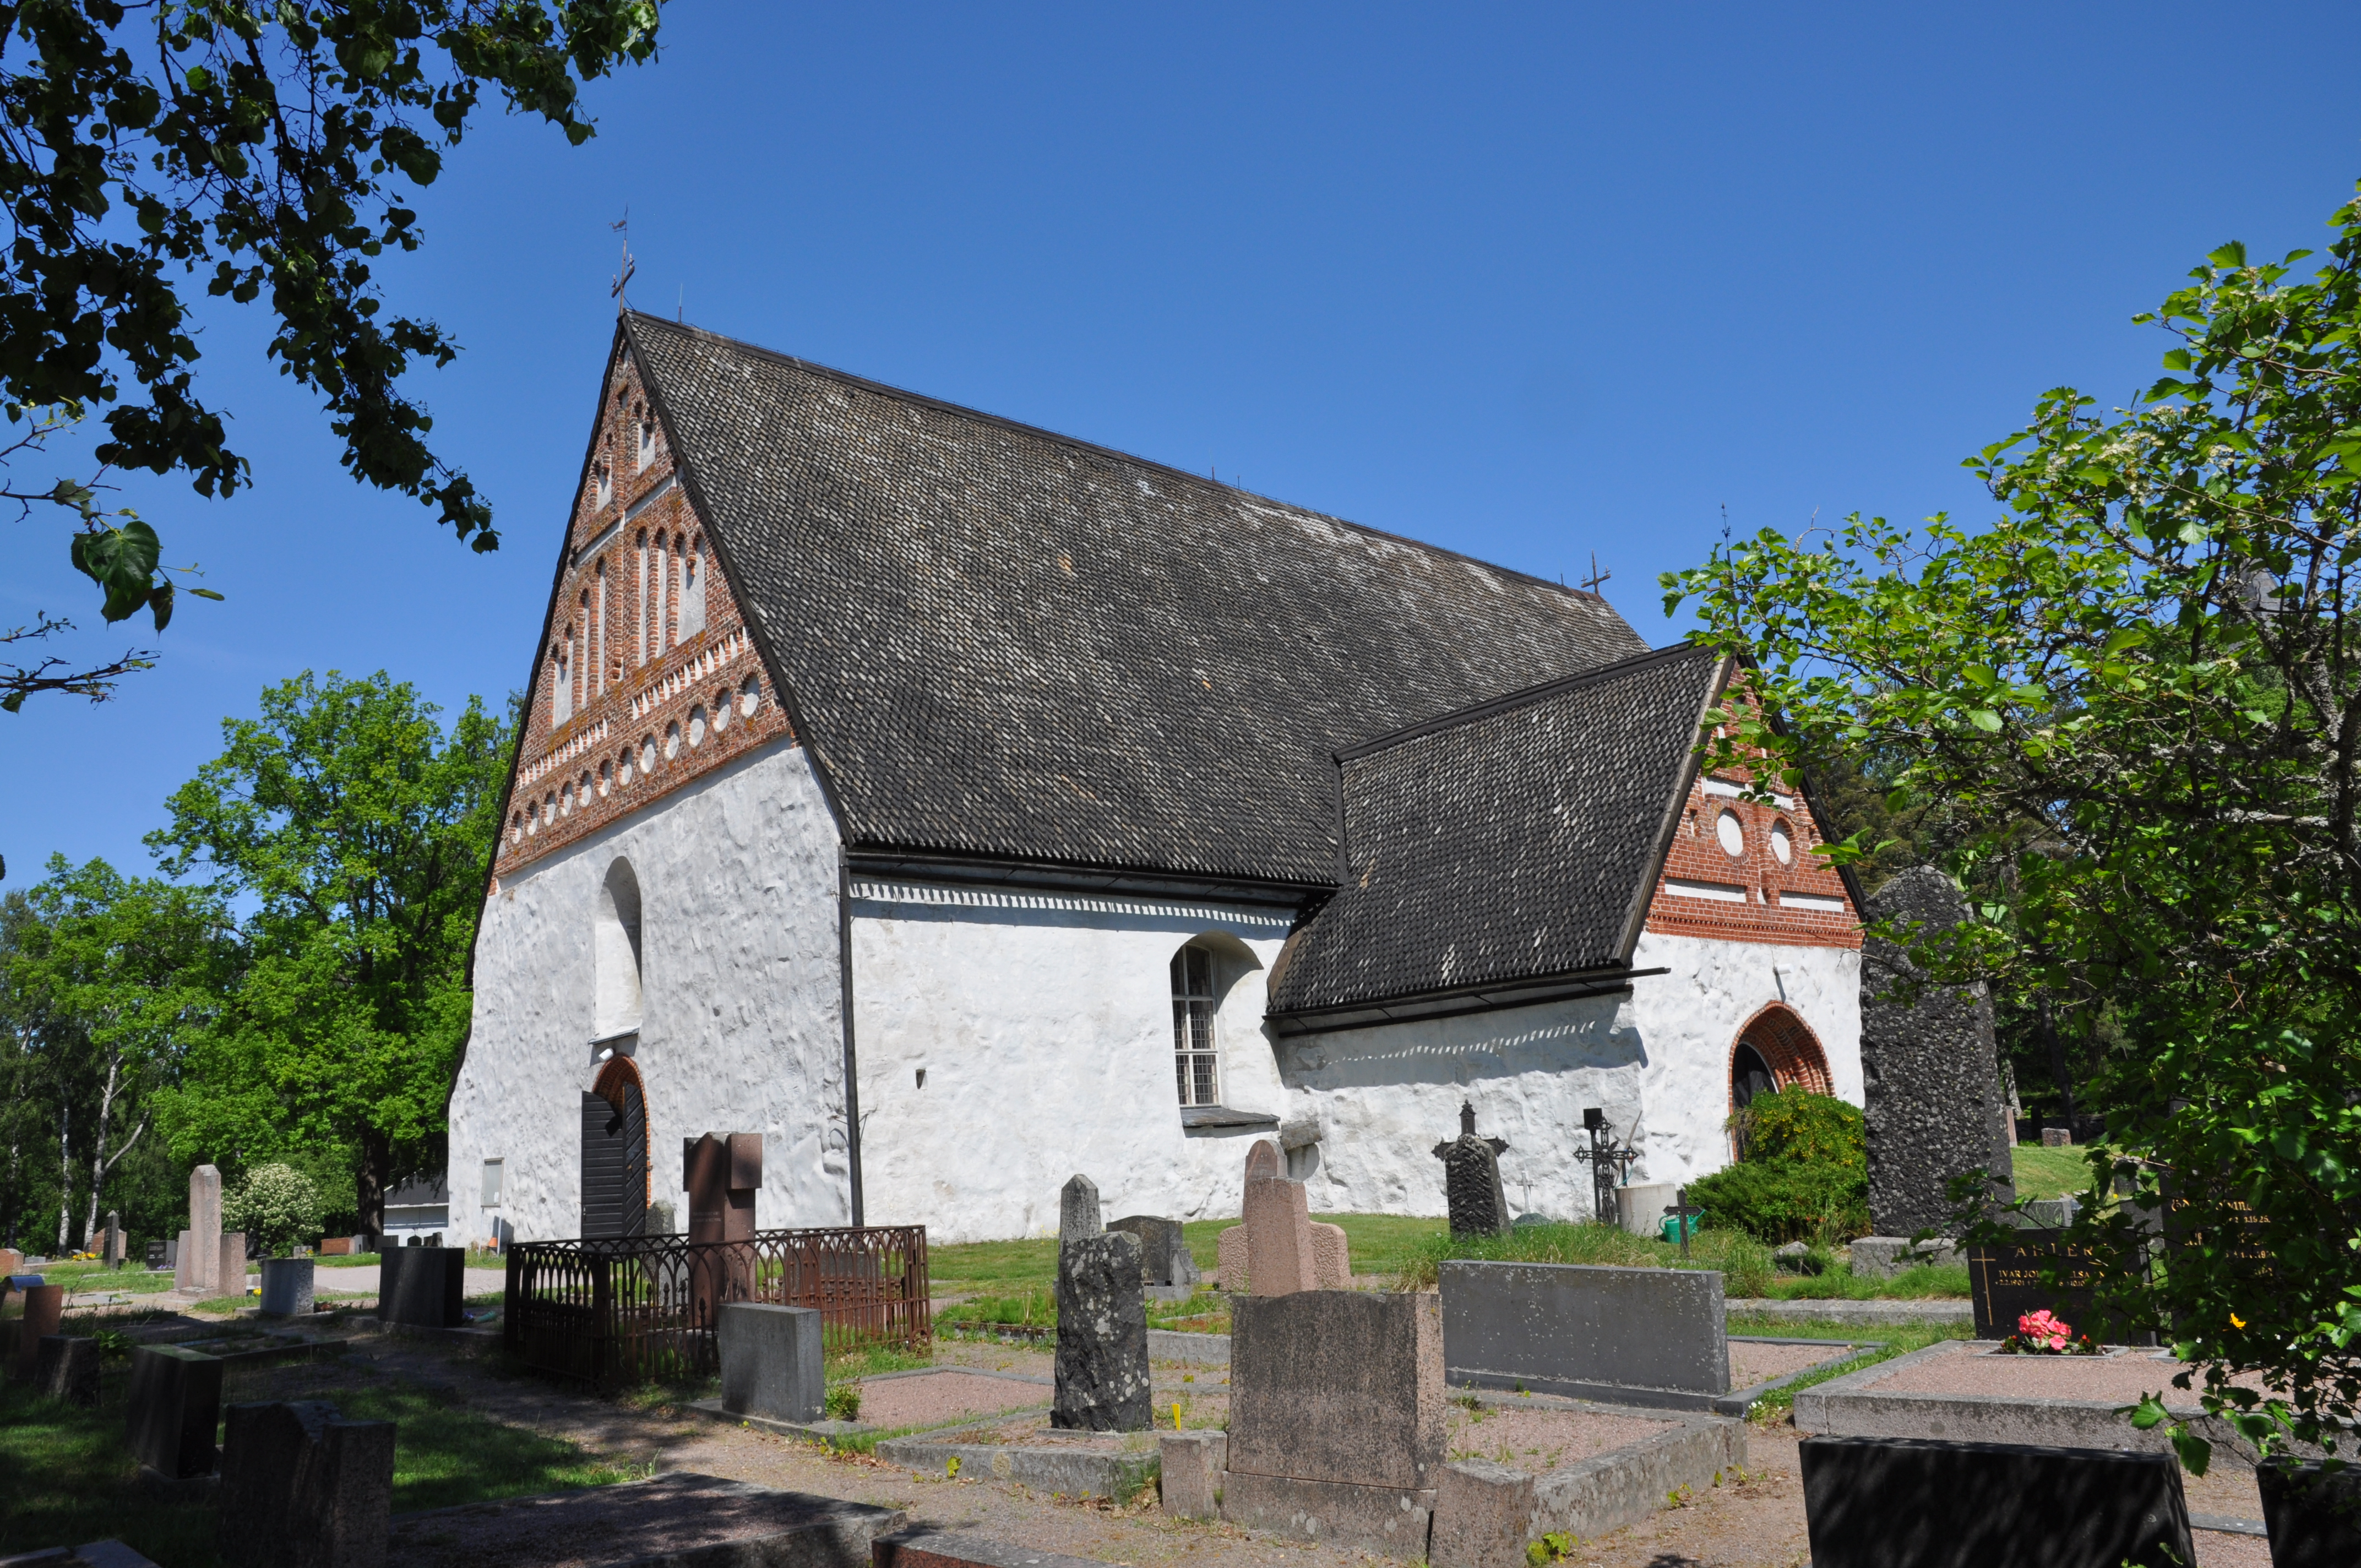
(67, 1369)
(1387, 1519)
(1279, 1236)
(681, 1520)
(1640, 1206)
(1332, 1257)
(1203, 1350)
(1855, 1405)
(45, 1308)
(1646, 1336)
(1805, 1310)
(303, 1487)
(200, 1260)
(2314, 1517)
(1102, 1363)
(772, 1361)
(1044, 1467)
(927, 1548)
(287, 1286)
(1231, 1259)
(229, 1260)
(1338, 1385)
(1190, 1466)
(1883, 1257)
(173, 1406)
(1080, 1213)
(422, 1287)
(1911, 1503)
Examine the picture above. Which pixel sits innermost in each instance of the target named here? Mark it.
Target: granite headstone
(200, 1263)
(1102, 1363)
(173, 1406)
(2314, 1513)
(1279, 1256)
(1080, 1213)
(1471, 1179)
(1630, 1336)
(301, 1487)
(1164, 1259)
(287, 1286)
(45, 1308)
(772, 1361)
(423, 1287)
(67, 1368)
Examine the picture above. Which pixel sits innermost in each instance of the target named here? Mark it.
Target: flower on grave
(2044, 1331)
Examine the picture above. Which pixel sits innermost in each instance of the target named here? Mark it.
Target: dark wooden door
(614, 1165)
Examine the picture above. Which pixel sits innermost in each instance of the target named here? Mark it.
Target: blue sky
(1530, 284)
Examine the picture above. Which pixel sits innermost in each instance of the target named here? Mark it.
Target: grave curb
(1115, 1476)
(1740, 1402)
(841, 1529)
(828, 1431)
(1198, 1350)
(1837, 1310)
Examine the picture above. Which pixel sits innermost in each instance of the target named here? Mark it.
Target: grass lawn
(78, 1277)
(1381, 1243)
(66, 1476)
(2044, 1172)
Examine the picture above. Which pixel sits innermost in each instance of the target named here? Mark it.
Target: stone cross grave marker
(1471, 1179)
(303, 1487)
(1101, 1368)
(1936, 1107)
(200, 1262)
(1682, 1213)
(1336, 1417)
(1279, 1227)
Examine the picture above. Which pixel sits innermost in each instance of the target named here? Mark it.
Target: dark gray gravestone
(2314, 1515)
(1471, 1179)
(301, 1487)
(287, 1286)
(772, 1362)
(1935, 1109)
(174, 1405)
(1888, 1502)
(1633, 1336)
(2005, 1283)
(1164, 1257)
(423, 1287)
(67, 1369)
(1102, 1336)
(1079, 1212)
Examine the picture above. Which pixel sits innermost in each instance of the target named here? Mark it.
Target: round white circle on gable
(749, 695)
(1731, 833)
(1781, 845)
(672, 739)
(697, 726)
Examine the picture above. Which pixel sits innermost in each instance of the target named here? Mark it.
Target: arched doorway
(1775, 1050)
(615, 1153)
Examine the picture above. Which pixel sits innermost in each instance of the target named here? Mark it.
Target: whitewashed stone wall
(740, 1004)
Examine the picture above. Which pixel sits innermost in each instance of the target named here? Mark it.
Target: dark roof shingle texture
(1003, 643)
(1513, 845)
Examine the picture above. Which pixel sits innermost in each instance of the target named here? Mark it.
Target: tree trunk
(2058, 1058)
(376, 1160)
(65, 1173)
(99, 1163)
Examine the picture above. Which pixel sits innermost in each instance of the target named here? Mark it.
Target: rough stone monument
(1471, 1179)
(301, 1487)
(174, 1405)
(722, 1174)
(1935, 1108)
(1101, 1324)
(200, 1260)
(1079, 1212)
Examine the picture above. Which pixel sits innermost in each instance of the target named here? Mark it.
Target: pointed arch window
(1196, 1062)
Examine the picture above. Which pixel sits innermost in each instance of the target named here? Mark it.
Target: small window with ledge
(1194, 1052)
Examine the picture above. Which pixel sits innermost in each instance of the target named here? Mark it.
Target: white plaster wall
(742, 1001)
(1690, 1019)
(1044, 1025)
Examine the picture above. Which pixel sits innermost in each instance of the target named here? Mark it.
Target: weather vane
(624, 275)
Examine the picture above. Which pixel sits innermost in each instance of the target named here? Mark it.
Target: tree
(2136, 696)
(272, 150)
(114, 976)
(361, 833)
(274, 1206)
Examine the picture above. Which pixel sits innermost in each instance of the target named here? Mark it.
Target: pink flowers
(2043, 1331)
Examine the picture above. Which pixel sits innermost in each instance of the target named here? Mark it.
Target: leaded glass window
(1192, 1027)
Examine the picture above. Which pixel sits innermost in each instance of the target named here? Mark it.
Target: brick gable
(1753, 895)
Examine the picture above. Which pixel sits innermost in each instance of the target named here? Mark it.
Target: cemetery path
(1755, 1519)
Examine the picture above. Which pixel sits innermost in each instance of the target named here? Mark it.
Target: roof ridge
(887, 389)
(1516, 699)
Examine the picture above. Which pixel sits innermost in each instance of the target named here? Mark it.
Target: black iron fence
(623, 1309)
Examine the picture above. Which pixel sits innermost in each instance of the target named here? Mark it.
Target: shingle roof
(1004, 642)
(1517, 842)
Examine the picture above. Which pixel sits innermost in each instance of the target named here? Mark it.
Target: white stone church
(960, 806)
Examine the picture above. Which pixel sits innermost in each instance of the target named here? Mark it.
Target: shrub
(1804, 1177)
(275, 1205)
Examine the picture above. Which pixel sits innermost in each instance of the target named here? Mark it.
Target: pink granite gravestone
(1279, 1227)
(199, 1265)
(230, 1249)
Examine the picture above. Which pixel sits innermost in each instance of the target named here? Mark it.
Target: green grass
(82, 1276)
(1948, 1283)
(1895, 1339)
(2042, 1172)
(1002, 1271)
(66, 1476)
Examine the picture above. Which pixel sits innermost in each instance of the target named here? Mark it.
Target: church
(960, 806)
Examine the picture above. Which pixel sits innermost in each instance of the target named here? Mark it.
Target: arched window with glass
(1196, 1056)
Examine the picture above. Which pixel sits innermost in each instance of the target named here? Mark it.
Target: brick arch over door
(1787, 1046)
(615, 1152)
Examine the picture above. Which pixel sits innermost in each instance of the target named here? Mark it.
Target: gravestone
(11, 1262)
(287, 1286)
(1633, 1336)
(1336, 1401)
(1935, 1108)
(1079, 1211)
(231, 1253)
(1877, 1502)
(1279, 1258)
(200, 1264)
(2006, 1282)
(1332, 1257)
(184, 1262)
(112, 1252)
(772, 1362)
(1165, 1264)
(423, 1287)
(2058, 1137)
(1101, 1366)
(721, 1175)
(159, 1253)
(67, 1369)
(2314, 1515)
(1189, 1473)
(301, 1487)
(172, 1408)
(1471, 1179)
(45, 1308)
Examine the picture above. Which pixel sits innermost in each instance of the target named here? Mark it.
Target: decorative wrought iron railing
(625, 1309)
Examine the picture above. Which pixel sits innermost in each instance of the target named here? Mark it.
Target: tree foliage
(360, 832)
(2135, 695)
(271, 152)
